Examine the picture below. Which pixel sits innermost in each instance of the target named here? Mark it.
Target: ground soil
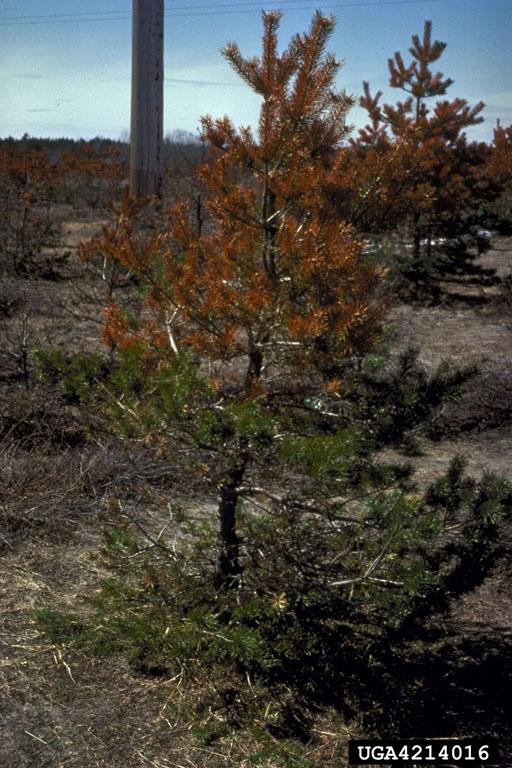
(59, 711)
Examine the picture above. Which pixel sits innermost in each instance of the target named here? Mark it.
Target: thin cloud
(179, 81)
(30, 76)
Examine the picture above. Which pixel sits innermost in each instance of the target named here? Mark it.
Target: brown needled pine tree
(271, 290)
(431, 167)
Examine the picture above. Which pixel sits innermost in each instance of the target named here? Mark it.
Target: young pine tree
(435, 173)
(499, 171)
(269, 295)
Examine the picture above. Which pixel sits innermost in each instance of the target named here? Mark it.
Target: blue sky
(65, 64)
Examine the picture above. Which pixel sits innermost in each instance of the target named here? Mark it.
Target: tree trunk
(417, 268)
(429, 246)
(228, 564)
(416, 246)
(270, 228)
(253, 373)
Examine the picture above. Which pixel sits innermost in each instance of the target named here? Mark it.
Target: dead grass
(64, 709)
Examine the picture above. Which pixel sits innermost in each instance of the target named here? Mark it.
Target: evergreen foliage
(434, 179)
(326, 593)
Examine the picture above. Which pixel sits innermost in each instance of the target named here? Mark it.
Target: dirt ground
(70, 712)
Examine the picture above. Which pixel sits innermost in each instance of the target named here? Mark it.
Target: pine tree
(499, 172)
(269, 294)
(432, 169)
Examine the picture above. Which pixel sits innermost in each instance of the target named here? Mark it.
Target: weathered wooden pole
(146, 137)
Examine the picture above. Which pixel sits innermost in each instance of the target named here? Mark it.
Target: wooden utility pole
(146, 137)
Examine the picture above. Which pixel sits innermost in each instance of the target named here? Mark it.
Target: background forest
(255, 435)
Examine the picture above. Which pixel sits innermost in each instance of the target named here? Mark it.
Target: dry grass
(64, 709)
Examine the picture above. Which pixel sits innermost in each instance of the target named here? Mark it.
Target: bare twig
(155, 542)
